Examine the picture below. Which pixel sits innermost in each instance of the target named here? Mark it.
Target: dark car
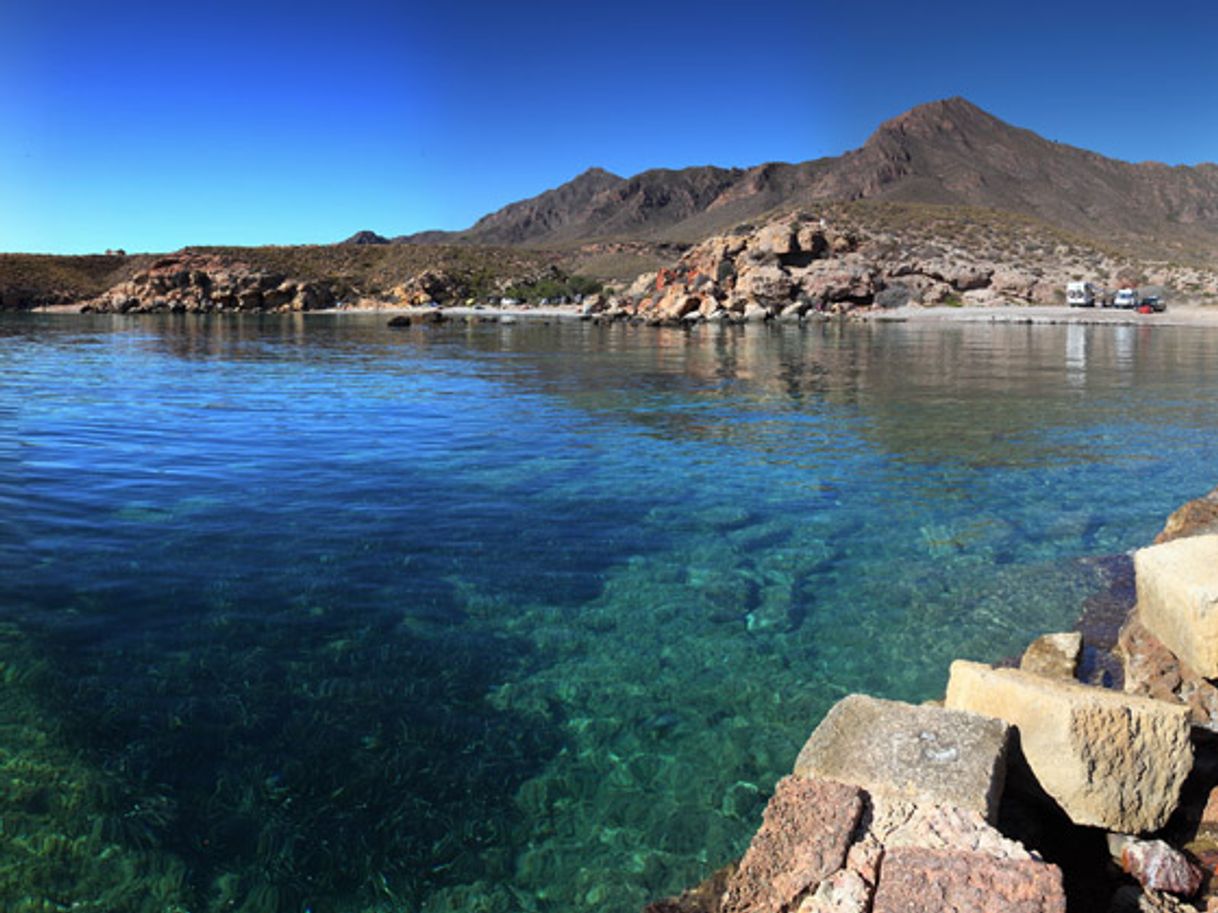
(1151, 304)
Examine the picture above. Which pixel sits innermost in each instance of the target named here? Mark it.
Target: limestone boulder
(765, 283)
(777, 238)
(828, 281)
(676, 303)
(1054, 655)
(1177, 586)
(913, 752)
(756, 313)
(1110, 760)
(811, 239)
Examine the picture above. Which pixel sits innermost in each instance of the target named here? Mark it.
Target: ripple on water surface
(310, 614)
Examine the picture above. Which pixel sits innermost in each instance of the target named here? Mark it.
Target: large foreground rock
(905, 751)
(916, 880)
(1178, 598)
(803, 839)
(1110, 760)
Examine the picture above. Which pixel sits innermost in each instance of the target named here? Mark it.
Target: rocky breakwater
(803, 265)
(200, 282)
(1025, 790)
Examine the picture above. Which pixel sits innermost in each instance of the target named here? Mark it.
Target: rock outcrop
(1178, 598)
(902, 751)
(1110, 760)
(837, 259)
(200, 282)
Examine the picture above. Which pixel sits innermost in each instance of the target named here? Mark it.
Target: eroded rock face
(1177, 585)
(806, 830)
(917, 880)
(894, 749)
(1110, 760)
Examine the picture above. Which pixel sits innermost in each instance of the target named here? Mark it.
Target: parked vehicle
(1126, 298)
(1152, 304)
(1081, 294)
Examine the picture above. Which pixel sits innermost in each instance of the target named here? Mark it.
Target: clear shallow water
(312, 614)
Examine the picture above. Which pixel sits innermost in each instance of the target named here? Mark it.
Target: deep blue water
(307, 613)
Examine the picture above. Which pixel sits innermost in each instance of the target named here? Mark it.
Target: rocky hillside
(946, 152)
(843, 256)
(308, 278)
(30, 280)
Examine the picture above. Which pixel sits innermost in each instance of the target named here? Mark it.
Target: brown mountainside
(945, 152)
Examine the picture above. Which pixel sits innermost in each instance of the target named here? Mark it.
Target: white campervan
(1081, 294)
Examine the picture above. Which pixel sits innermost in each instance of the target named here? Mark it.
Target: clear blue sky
(151, 126)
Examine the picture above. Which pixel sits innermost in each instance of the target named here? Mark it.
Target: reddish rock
(705, 898)
(803, 839)
(1160, 867)
(916, 880)
(1154, 671)
(1196, 518)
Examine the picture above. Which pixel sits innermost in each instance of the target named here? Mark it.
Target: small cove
(307, 613)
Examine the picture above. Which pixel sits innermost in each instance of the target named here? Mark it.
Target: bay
(302, 612)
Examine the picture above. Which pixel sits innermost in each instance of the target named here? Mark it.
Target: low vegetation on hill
(29, 280)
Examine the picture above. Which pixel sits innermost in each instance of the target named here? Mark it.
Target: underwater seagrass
(334, 759)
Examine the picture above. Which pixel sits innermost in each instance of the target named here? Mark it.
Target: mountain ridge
(945, 152)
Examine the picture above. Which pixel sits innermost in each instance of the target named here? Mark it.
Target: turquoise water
(310, 614)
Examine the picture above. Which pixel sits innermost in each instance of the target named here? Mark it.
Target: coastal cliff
(1049, 787)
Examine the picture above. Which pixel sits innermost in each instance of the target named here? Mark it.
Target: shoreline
(1182, 315)
(1048, 315)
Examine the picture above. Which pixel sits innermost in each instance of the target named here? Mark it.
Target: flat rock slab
(914, 880)
(805, 833)
(905, 751)
(1110, 760)
(1178, 598)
